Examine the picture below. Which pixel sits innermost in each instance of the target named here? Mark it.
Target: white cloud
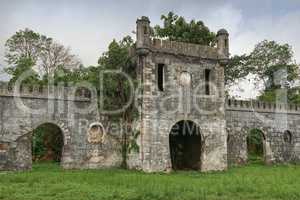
(227, 17)
(283, 29)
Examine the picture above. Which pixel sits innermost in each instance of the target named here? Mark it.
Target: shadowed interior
(185, 146)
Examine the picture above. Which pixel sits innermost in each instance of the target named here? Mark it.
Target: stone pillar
(223, 44)
(143, 31)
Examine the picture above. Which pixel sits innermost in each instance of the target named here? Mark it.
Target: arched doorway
(256, 146)
(185, 146)
(47, 143)
(287, 146)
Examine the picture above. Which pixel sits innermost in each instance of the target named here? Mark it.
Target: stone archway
(23, 151)
(256, 146)
(47, 143)
(185, 146)
(288, 145)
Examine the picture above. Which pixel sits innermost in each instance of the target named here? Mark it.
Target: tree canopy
(272, 64)
(24, 44)
(176, 28)
(45, 54)
(270, 59)
(266, 61)
(115, 85)
(21, 66)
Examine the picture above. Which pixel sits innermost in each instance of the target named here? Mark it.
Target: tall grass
(49, 181)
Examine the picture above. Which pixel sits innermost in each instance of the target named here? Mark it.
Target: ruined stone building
(185, 121)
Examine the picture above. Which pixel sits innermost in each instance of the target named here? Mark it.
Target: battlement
(259, 106)
(182, 48)
(145, 43)
(46, 92)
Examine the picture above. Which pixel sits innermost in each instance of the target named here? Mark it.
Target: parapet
(260, 106)
(46, 92)
(182, 48)
(146, 44)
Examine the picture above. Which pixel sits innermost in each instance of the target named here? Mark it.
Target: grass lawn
(48, 181)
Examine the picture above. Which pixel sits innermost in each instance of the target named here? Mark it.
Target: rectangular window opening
(160, 76)
(207, 77)
(226, 43)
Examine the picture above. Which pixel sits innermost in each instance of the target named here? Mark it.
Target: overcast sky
(88, 26)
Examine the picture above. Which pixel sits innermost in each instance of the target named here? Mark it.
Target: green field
(48, 181)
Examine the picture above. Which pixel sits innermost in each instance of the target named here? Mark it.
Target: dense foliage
(44, 53)
(23, 44)
(272, 65)
(47, 143)
(236, 69)
(116, 87)
(22, 66)
(255, 142)
(176, 28)
(270, 62)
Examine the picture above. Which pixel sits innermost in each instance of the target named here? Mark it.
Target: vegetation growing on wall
(255, 145)
(176, 28)
(270, 62)
(267, 58)
(47, 143)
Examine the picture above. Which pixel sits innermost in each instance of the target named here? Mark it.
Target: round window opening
(96, 133)
(185, 79)
(287, 137)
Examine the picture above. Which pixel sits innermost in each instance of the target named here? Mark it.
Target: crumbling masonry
(182, 91)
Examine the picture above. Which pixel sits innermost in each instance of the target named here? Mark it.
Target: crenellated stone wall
(185, 49)
(46, 92)
(273, 120)
(73, 110)
(260, 106)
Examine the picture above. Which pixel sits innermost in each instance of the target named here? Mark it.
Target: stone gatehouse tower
(182, 90)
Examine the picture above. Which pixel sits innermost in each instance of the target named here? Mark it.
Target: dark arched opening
(256, 146)
(287, 137)
(185, 146)
(47, 143)
(287, 146)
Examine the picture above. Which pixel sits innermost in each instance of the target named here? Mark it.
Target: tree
(236, 69)
(271, 63)
(43, 52)
(23, 44)
(176, 28)
(290, 95)
(54, 55)
(23, 65)
(116, 88)
(269, 59)
(266, 61)
(255, 145)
